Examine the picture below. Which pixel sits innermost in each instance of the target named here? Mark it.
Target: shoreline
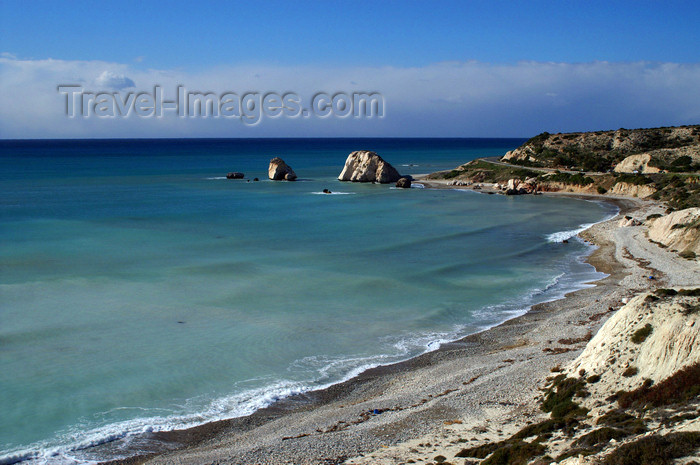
(182, 446)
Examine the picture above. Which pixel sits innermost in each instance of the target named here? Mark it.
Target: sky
(442, 68)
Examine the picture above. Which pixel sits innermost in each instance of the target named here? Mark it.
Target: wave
(413, 186)
(565, 235)
(333, 193)
(216, 177)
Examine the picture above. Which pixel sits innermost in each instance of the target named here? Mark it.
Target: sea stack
(235, 175)
(279, 170)
(366, 166)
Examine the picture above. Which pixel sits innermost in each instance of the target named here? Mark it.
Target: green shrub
(516, 453)
(601, 190)
(600, 436)
(620, 419)
(479, 452)
(558, 398)
(636, 179)
(664, 292)
(568, 178)
(630, 371)
(681, 387)
(655, 450)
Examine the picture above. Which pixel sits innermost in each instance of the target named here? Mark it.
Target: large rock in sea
(235, 175)
(366, 166)
(279, 170)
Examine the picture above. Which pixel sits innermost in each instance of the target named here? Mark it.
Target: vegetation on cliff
(673, 149)
(603, 162)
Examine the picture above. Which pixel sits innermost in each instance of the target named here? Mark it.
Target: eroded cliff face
(632, 190)
(650, 336)
(636, 163)
(679, 230)
(366, 166)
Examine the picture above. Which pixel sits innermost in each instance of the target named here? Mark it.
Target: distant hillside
(669, 149)
(659, 163)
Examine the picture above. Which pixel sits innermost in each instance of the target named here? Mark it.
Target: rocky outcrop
(632, 190)
(279, 170)
(679, 230)
(403, 183)
(518, 187)
(628, 221)
(366, 166)
(636, 164)
(650, 336)
(235, 175)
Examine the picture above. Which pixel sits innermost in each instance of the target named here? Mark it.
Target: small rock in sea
(326, 191)
(235, 175)
(565, 241)
(403, 183)
(256, 179)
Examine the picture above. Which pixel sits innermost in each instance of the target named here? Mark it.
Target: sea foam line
(565, 235)
(333, 193)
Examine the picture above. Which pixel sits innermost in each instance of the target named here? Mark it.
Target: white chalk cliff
(679, 230)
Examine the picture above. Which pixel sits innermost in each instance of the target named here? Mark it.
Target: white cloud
(468, 99)
(110, 80)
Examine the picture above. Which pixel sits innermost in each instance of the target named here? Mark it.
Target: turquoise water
(141, 291)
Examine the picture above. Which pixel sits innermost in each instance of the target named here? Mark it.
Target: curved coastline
(164, 444)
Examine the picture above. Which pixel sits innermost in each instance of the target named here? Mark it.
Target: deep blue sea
(140, 290)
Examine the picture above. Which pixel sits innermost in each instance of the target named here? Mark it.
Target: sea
(141, 290)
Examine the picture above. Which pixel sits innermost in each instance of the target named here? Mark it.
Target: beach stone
(279, 170)
(367, 166)
(403, 183)
(235, 175)
(518, 187)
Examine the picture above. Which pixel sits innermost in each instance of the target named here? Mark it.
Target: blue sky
(407, 42)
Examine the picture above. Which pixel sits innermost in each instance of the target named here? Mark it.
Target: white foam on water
(565, 235)
(333, 193)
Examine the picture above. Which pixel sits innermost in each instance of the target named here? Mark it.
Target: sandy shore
(476, 389)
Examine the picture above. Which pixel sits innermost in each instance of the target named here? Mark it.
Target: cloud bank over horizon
(449, 99)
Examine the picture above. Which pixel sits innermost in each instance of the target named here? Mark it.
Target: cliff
(679, 231)
(651, 150)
